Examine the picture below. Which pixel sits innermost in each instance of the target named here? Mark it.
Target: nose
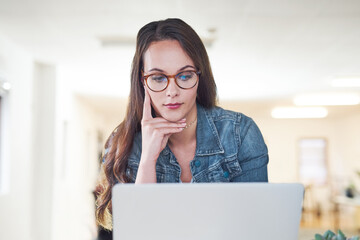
(172, 90)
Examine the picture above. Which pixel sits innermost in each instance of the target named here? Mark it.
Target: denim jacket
(229, 148)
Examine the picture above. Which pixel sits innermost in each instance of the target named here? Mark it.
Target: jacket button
(197, 163)
(226, 174)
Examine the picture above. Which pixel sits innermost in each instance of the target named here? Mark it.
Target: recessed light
(346, 82)
(299, 112)
(6, 86)
(327, 99)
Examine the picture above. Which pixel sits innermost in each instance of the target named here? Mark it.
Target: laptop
(207, 211)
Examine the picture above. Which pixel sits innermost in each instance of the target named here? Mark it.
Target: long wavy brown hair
(120, 142)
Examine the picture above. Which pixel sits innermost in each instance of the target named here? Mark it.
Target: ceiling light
(327, 99)
(346, 82)
(5, 86)
(299, 112)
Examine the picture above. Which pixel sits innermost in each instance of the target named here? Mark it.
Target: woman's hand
(156, 131)
(155, 134)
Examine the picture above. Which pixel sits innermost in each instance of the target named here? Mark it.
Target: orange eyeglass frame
(144, 79)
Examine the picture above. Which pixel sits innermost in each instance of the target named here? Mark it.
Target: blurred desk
(345, 201)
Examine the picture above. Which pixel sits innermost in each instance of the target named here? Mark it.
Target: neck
(188, 135)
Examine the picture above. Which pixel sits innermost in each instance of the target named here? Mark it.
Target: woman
(173, 132)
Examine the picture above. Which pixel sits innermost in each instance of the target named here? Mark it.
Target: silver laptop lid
(207, 211)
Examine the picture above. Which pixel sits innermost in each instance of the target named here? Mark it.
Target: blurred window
(313, 161)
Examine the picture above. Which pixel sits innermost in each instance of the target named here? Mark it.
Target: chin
(172, 117)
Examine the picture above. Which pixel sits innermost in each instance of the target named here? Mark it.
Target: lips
(173, 105)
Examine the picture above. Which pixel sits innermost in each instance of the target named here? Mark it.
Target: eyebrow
(160, 70)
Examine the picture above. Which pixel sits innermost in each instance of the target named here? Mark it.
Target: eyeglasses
(158, 82)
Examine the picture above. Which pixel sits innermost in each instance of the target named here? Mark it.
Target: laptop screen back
(207, 211)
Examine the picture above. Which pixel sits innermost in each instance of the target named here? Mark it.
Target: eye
(158, 78)
(184, 76)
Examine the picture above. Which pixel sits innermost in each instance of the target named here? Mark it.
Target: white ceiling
(263, 49)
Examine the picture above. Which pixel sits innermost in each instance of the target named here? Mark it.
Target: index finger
(147, 106)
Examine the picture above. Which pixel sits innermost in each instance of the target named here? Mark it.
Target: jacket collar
(207, 137)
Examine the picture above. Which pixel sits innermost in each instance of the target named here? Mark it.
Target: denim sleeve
(134, 158)
(253, 153)
(105, 152)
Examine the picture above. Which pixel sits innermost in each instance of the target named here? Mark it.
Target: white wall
(342, 136)
(15, 204)
(348, 143)
(26, 198)
(80, 126)
(43, 149)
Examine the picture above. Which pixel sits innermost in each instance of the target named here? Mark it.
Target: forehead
(167, 55)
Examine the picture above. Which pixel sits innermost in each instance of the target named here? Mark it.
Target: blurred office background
(293, 66)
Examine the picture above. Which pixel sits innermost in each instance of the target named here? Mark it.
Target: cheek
(193, 94)
(155, 100)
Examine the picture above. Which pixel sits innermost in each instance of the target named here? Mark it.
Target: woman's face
(167, 57)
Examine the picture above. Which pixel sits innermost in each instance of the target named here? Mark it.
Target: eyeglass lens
(158, 82)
